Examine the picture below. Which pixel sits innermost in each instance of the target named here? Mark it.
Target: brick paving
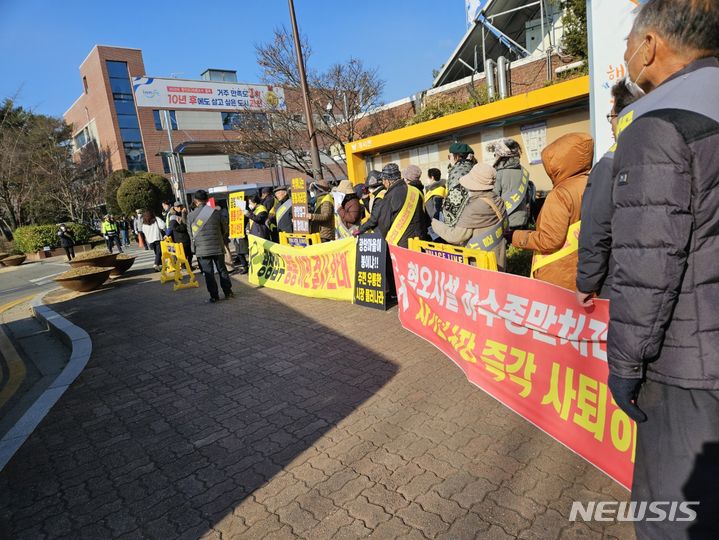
(276, 416)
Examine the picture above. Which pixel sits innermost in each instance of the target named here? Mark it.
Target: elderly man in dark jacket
(663, 342)
(209, 231)
(401, 215)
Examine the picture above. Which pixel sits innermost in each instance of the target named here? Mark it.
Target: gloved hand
(356, 232)
(625, 392)
(507, 234)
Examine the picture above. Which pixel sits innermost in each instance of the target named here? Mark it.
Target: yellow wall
(433, 138)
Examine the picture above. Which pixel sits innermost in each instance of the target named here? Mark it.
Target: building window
(237, 120)
(258, 161)
(158, 115)
(126, 115)
(84, 83)
(166, 164)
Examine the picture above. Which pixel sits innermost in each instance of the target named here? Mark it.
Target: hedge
(137, 193)
(519, 261)
(33, 238)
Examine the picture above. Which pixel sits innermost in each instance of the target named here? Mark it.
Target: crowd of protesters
(648, 240)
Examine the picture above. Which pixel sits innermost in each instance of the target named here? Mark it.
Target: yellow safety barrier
(299, 239)
(472, 257)
(173, 260)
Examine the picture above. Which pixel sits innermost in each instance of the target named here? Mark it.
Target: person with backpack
(512, 182)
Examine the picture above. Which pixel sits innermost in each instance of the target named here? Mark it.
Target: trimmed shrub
(114, 181)
(35, 237)
(137, 192)
(162, 186)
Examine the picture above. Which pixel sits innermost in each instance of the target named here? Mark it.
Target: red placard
(527, 344)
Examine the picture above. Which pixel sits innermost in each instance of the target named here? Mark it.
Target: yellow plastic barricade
(173, 260)
(472, 257)
(299, 239)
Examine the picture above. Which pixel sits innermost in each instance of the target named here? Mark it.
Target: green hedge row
(35, 237)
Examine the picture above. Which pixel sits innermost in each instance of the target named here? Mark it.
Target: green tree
(161, 184)
(113, 184)
(574, 19)
(137, 192)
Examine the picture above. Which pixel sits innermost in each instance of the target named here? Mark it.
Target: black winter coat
(594, 270)
(391, 206)
(665, 234)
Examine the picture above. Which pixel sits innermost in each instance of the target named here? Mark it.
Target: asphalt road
(35, 277)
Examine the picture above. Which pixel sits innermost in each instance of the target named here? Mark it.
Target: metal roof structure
(499, 29)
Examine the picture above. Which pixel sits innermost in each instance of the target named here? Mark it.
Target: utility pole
(174, 162)
(314, 150)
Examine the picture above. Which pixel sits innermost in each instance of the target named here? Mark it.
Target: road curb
(80, 345)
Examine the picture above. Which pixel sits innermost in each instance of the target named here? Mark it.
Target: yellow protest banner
(237, 215)
(321, 271)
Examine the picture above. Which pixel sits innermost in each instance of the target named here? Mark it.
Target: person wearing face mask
(461, 161)
(257, 214)
(322, 220)
(594, 269)
(67, 241)
(376, 190)
(209, 231)
(663, 339)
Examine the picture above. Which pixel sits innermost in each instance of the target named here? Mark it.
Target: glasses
(611, 116)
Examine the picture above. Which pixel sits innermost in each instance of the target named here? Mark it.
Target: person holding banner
(281, 214)
(376, 195)
(401, 215)
(461, 161)
(567, 161)
(482, 221)
(257, 213)
(663, 340)
(322, 220)
(349, 212)
(209, 231)
(594, 269)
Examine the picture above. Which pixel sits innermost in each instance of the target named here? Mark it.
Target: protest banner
(300, 209)
(371, 280)
(527, 344)
(237, 215)
(321, 271)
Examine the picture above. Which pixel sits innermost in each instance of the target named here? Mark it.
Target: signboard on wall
(534, 137)
(609, 23)
(183, 94)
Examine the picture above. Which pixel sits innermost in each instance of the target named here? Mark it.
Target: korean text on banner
(538, 354)
(322, 271)
(237, 215)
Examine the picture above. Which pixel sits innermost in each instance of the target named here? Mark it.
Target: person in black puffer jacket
(663, 340)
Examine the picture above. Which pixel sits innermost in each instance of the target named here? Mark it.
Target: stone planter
(86, 282)
(122, 266)
(13, 260)
(105, 260)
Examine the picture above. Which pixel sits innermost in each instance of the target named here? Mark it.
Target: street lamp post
(174, 161)
(314, 150)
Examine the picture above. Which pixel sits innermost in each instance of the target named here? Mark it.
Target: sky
(43, 42)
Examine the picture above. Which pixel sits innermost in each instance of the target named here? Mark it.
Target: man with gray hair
(663, 341)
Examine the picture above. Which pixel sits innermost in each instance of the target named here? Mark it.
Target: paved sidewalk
(277, 416)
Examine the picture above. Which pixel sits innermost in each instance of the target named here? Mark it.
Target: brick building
(117, 112)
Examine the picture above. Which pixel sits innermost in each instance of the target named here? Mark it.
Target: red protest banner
(527, 344)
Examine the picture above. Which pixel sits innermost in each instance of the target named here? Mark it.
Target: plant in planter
(122, 264)
(84, 279)
(13, 260)
(95, 257)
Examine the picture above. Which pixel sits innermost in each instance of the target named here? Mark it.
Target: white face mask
(313, 193)
(634, 88)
